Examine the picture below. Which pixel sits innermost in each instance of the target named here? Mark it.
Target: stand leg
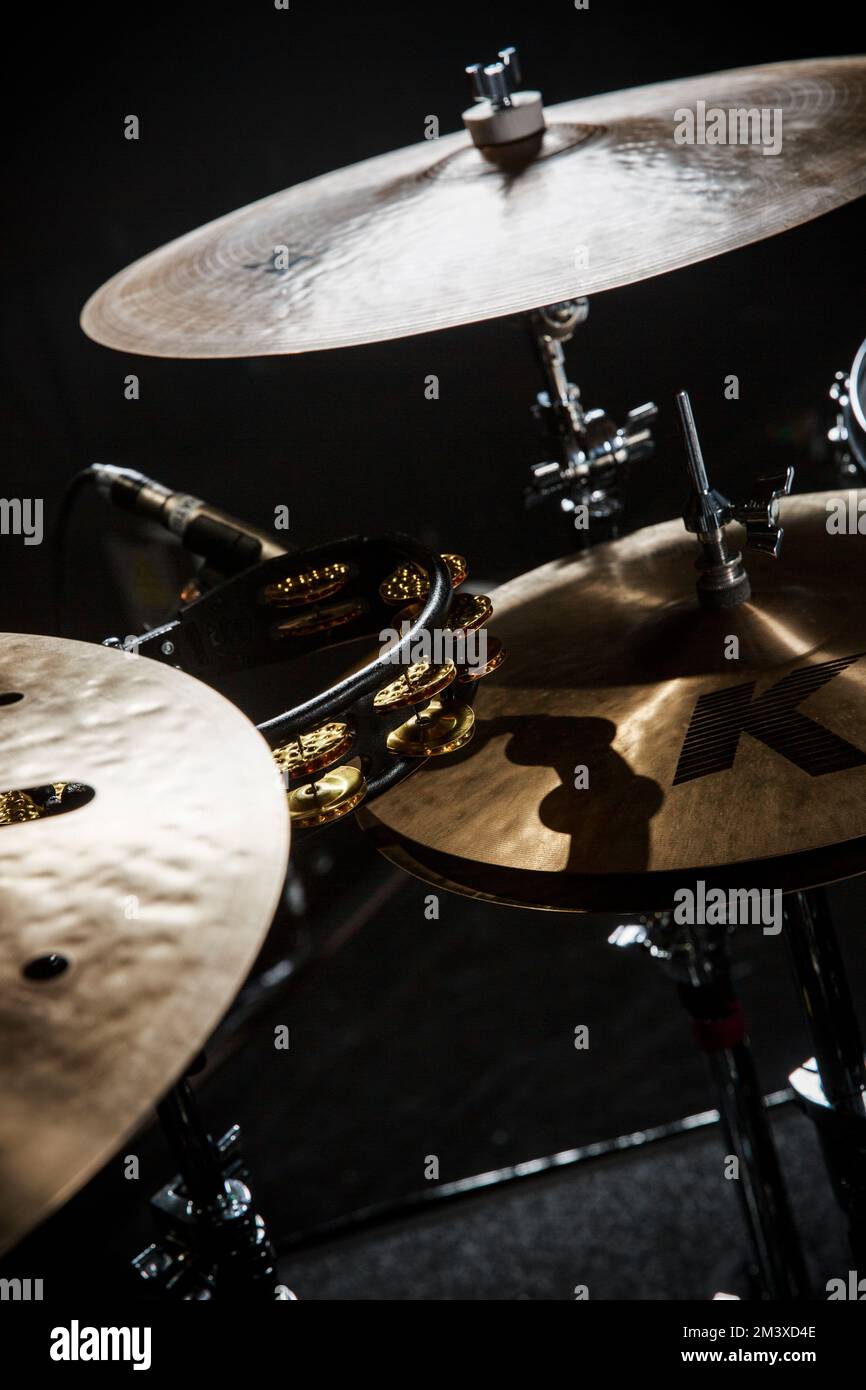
(832, 1086)
(720, 1032)
(697, 960)
(192, 1147)
(214, 1244)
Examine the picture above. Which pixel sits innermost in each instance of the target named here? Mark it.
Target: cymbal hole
(45, 967)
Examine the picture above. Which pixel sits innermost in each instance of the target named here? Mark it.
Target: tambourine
(375, 726)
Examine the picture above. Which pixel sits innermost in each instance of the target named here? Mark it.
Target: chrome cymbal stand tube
(696, 958)
(831, 1085)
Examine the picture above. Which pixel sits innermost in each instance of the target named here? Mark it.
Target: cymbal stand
(213, 1243)
(696, 958)
(590, 453)
(831, 1086)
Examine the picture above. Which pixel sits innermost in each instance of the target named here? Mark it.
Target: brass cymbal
(156, 893)
(747, 770)
(435, 235)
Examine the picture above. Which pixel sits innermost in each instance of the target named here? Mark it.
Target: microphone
(221, 540)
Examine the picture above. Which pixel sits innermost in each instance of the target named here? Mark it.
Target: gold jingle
(440, 729)
(457, 568)
(328, 798)
(17, 806)
(314, 751)
(468, 611)
(496, 654)
(191, 590)
(418, 684)
(319, 619)
(411, 582)
(407, 583)
(309, 587)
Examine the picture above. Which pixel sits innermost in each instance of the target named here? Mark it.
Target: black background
(454, 1041)
(237, 101)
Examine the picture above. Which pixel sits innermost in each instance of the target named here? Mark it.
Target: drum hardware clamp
(723, 580)
(592, 452)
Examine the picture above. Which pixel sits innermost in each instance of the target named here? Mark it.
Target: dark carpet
(455, 1039)
(660, 1223)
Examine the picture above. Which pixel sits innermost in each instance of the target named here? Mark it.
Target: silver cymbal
(156, 893)
(435, 235)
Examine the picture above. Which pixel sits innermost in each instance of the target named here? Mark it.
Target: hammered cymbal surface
(434, 235)
(609, 652)
(158, 892)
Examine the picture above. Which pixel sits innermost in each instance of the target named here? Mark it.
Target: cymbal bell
(624, 749)
(435, 235)
(132, 904)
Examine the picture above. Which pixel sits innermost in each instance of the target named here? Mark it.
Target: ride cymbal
(132, 903)
(435, 235)
(624, 749)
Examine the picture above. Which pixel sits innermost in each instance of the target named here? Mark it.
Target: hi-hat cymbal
(435, 235)
(128, 923)
(624, 751)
